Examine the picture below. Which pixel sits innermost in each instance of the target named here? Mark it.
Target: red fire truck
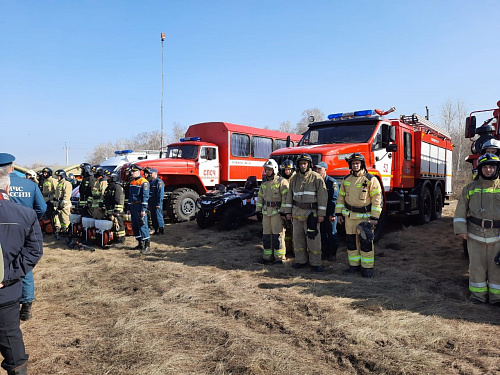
(212, 153)
(411, 157)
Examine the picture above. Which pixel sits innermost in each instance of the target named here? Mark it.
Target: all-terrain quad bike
(230, 206)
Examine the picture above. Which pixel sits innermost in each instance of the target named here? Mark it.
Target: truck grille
(281, 158)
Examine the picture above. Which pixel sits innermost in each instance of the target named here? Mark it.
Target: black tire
(379, 229)
(425, 205)
(437, 207)
(203, 221)
(232, 218)
(183, 205)
(466, 250)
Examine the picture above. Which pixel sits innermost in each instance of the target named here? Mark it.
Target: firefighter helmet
(305, 157)
(47, 170)
(488, 159)
(287, 164)
(61, 173)
(115, 177)
(271, 164)
(86, 169)
(99, 171)
(492, 143)
(356, 157)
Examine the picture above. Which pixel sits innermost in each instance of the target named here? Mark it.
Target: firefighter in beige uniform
(287, 171)
(62, 203)
(100, 185)
(359, 202)
(477, 220)
(306, 207)
(48, 190)
(270, 200)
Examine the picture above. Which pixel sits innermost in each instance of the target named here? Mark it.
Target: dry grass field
(200, 303)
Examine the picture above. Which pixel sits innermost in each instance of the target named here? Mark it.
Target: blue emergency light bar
(123, 152)
(190, 139)
(346, 115)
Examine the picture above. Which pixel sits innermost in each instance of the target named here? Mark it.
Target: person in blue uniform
(21, 246)
(155, 202)
(26, 192)
(328, 228)
(138, 204)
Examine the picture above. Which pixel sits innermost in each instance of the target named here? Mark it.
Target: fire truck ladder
(417, 120)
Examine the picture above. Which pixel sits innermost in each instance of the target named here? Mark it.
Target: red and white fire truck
(411, 157)
(212, 153)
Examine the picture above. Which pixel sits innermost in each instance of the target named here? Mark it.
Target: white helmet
(491, 143)
(271, 163)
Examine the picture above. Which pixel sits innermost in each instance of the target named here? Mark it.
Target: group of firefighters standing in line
(300, 204)
(103, 196)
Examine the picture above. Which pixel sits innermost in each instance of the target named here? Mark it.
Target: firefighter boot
(161, 230)
(20, 370)
(56, 234)
(353, 269)
(367, 272)
(139, 244)
(146, 248)
(25, 312)
(156, 232)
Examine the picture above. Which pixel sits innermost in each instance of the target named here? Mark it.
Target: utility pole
(67, 150)
(161, 137)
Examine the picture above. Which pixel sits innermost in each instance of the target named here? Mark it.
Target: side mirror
(392, 147)
(392, 134)
(288, 141)
(470, 126)
(388, 135)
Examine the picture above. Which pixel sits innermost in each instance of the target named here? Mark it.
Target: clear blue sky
(87, 72)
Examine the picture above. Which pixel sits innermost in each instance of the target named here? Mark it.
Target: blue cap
(153, 170)
(321, 164)
(6, 159)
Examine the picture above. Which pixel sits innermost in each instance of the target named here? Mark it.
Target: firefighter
(31, 175)
(98, 189)
(306, 205)
(287, 170)
(62, 204)
(155, 202)
(85, 188)
(114, 199)
(49, 184)
(138, 204)
(328, 228)
(477, 220)
(270, 201)
(359, 206)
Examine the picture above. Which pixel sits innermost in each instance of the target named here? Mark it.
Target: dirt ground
(200, 303)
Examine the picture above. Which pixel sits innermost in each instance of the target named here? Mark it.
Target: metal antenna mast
(161, 138)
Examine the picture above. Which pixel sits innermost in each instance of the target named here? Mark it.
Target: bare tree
(302, 125)
(286, 127)
(179, 131)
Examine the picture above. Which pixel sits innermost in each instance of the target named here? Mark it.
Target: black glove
(312, 226)
(497, 259)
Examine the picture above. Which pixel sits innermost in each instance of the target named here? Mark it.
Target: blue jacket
(333, 193)
(156, 193)
(27, 193)
(139, 193)
(22, 246)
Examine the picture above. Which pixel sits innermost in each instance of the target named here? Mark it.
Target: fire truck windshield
(182, 152)
(348, 132)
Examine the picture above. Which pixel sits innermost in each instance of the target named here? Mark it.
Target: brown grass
(199, 303)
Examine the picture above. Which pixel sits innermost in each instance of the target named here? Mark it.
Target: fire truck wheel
(183, 205)
(437, 207)
(232, 218)
(425, 206)
(203, 221)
